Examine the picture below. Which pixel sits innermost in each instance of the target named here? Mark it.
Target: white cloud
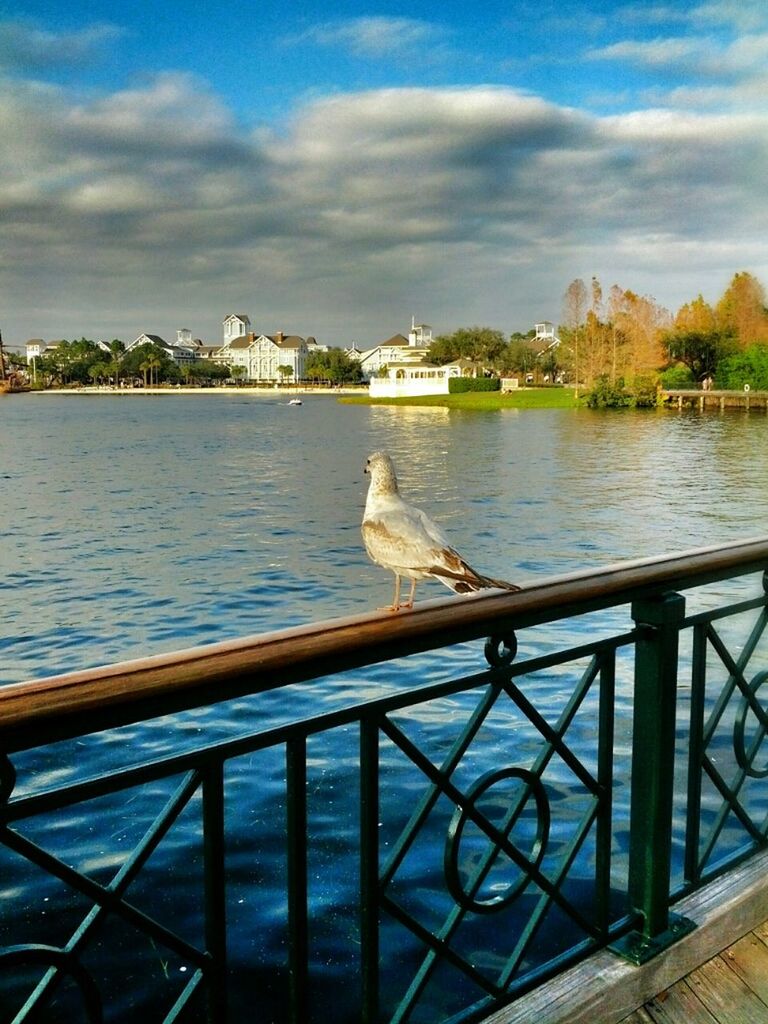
(468, 204)
(703, 56)
(741, 15)
(25, 46)
(376, 37)
(655, 53)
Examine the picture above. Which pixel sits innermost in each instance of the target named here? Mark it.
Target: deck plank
(761, 931)
(679, 1005)
(749, 959)
(640, 1016)
(726, 995)
(605, 989)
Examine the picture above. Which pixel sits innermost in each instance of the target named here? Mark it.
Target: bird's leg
(409, 602)
(395, 606)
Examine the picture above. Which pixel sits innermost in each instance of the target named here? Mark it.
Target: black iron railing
(425, 851)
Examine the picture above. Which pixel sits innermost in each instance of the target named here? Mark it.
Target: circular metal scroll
(500, 651)
(533, 785)
(739, 730)
(38, 955)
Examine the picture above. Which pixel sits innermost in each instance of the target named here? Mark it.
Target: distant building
(180, 354)
(236, 325)
(261, 355)
(34, 348)
(420, 335)
(397, 349)
(545, 337)
(409, 379)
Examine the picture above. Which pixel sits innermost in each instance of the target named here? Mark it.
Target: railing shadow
(426, 851)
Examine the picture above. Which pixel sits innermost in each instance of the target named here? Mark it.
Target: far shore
(522, 398)
(265, 392)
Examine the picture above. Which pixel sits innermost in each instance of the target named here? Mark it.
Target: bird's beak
(366, 470)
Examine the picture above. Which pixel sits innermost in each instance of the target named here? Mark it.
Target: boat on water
(295, 401)
(10, 381)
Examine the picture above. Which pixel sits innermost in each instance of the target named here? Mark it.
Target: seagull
(403, 539)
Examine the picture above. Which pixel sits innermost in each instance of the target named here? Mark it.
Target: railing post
(653, 778)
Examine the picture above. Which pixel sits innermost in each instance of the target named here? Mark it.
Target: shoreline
(521, 399)
(270, 392)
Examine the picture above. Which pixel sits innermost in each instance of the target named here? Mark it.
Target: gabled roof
(396, 339)
(288, 341)
(238, 316)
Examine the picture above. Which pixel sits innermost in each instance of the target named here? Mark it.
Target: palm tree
(117, 348)
(144, 367)
(98, 371)
(155, 362)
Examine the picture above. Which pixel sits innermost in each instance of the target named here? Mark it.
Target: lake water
(140, 524)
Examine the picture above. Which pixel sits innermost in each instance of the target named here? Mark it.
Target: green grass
(525, 398)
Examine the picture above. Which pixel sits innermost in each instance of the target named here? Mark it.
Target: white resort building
(397, 349)
(403, 380)
(185, 350)
(262, 355)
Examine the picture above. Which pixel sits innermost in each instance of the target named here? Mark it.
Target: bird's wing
(402, 536)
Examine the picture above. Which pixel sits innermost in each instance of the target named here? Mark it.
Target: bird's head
(382, 471)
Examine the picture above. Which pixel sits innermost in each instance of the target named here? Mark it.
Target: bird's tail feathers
(499, 584)
(466, 581)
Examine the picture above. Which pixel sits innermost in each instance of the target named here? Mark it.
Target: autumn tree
(742, 312)
(697, 316)
(637, 324)
(574, 312)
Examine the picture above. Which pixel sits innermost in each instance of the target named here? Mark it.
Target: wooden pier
(698, 398)
(732, 988)
(717, 974)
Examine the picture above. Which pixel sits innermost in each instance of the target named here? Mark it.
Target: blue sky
(163, 165)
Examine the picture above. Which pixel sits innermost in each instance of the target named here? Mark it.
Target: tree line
(83, 361)
(627, 340)
(619, 343)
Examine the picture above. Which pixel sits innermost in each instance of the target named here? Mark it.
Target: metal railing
(436, 847)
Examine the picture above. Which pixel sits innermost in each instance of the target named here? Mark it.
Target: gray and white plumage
(404, 540)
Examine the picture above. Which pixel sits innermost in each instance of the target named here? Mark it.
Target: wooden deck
(717, 974)
(732, 988)
(749, 400)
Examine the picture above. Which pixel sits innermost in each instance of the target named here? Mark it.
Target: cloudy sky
(162, 166)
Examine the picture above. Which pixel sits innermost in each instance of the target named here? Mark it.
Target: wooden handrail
(77, 703)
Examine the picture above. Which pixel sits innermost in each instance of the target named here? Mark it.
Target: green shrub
(747, 367)
(644, 392)
(677, 377)
(609, 394)
(615, 394)
(460, 385)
